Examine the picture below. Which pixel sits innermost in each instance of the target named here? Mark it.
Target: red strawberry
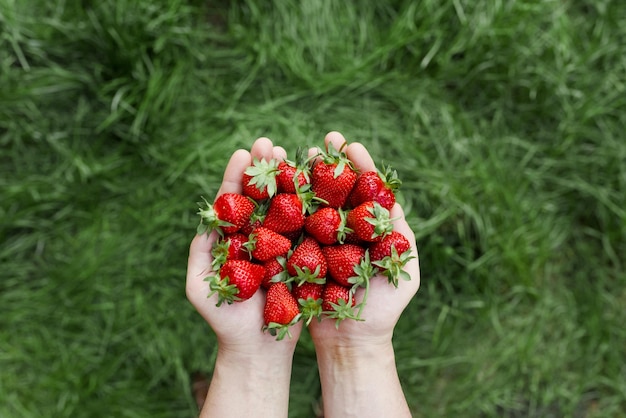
(338, 302)
(230, 247)
(341, 260)
(376, 186)
(292, 176)
(281, 311)
(237, 280)
(307, 263)
(333, 177)
(275, 271)
(285, 214)
(265, 244)
(327, 225)
(370, 221)
(309, 296)
(391, 254)
(257, 217)
(228, 214)
(259, 180)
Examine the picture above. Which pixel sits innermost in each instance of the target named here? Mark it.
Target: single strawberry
(236, 281)
(338, 302)
(265, 244)
(333, 177)
(230, 247)
(275, 271)
(259, 180)
(309, 296)
(376, 186)
(391, 255)
(285, 214)
(341, 260)
(281, 311)
(327, 225)
(227, 214)
(307, 262)
(370, 221)
(293, 175)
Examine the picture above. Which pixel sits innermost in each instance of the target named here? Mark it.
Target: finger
(334, 139)
(262, 149)
(200, 257)
(199, 263)
(279, 153)
(400, 224)
(360, 157)
(233, 174)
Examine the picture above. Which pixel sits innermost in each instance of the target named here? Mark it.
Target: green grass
(504, 119)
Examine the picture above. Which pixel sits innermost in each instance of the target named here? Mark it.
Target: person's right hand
(237, 326)
(247, 358)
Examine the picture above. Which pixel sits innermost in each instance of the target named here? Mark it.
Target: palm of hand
(236, 325)
(385, 304)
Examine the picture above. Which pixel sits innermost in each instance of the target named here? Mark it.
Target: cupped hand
(385, 303)
(238, 326)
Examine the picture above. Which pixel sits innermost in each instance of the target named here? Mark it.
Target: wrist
(254, 383)
(256, 354)
(349, 335)
(352, 355)
(361, 381)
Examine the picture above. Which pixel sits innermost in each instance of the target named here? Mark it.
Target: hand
(356, 362)
(252, 371)
(385, 303)
(237, 326)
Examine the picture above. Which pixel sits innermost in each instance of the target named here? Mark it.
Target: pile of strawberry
(310, 232)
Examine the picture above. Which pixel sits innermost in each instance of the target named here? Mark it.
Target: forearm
(361, 382)
(246, 386)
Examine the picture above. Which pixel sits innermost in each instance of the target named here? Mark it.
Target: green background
(505, 120)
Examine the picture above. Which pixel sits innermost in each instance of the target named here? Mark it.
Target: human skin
(252, 370)
(356, 362)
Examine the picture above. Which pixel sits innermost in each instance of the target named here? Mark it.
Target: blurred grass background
(505, 119)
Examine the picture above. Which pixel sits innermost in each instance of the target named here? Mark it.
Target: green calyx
(219, 253)
(380, 220)
(310, 202)
(302, 165)
(343, 309)
(390, 177)
(263, 175)
(304, 275)
(310, 308)
(280, 331)
(225, 292)
(209, 219)
(283, 276)
(393, 266)
(364, 271)
(343, 230)
(250, 245)
(334, 156)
